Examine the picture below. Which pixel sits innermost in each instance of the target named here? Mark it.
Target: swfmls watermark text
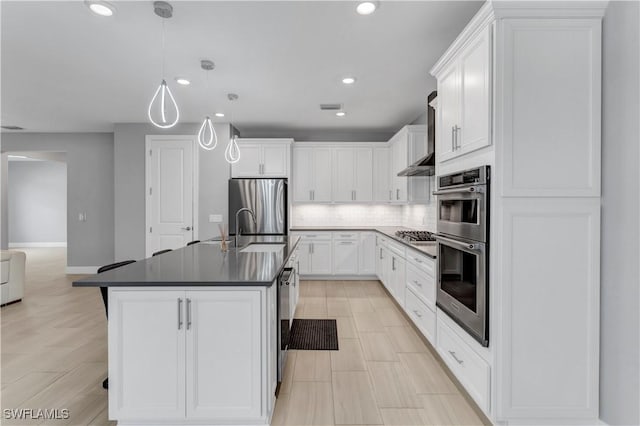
(35, 413)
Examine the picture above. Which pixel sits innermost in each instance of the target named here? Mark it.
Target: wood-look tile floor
(54, 345)
(54, 356)
(384, 373)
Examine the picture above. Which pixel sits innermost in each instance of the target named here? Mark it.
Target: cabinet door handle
(397, 194)
(453, 142)
(310, 196)
(179, 313)
(380, 253)
(346, 242)
(188, 313)
(457, 129)
(313, 248)
(390, 195)
(453, 354)
(418, 314)
(417, 283)
(313, 194)
(393, 263)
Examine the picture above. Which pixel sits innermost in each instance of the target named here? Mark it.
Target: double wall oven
(463, 249)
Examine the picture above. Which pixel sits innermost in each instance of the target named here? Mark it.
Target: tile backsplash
(419, 216)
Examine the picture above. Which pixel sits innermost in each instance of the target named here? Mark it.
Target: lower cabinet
(347, 253)
(345, 257)
(203, 355)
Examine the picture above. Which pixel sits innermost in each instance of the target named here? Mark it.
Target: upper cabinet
(263, 158)
(382, 187)
(408, 146)
(464, 94)
(353, 175)
(312, 167)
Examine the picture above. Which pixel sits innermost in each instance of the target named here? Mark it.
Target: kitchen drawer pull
(418, 314)
(346, 243)
(453, 354)
(179, 313)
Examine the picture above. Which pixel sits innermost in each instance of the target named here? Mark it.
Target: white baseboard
(81, 270)
(35, 245)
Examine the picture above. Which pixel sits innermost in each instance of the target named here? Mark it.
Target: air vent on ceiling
(330, 107)
(12, 127)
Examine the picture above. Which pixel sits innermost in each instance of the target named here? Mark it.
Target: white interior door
(170, 190)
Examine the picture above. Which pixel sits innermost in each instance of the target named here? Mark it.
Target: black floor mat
(314, 335)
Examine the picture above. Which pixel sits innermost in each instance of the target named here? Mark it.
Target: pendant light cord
(163, 49)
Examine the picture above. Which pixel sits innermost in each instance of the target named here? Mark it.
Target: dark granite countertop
(388, 231)
(202, 264)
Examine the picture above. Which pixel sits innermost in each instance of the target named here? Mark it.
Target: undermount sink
(263, 248)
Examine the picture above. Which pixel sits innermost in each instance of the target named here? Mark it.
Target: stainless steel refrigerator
(267, 198)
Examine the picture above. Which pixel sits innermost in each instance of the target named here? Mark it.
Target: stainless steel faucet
(253, 216)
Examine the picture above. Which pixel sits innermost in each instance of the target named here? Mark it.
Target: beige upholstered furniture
(11, 276)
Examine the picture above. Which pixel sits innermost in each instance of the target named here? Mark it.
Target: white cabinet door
(224, 373)
(146, 355)
(473, 127)
(367, 254)
(397, 277)
(447, 113)
(344, 174)
(322, 170)
(363, 177)
(345, 257)
(382, 174)
(399, 162)
(275, 160)
(303, 178)
(321, 258)
(250, 161)
(304, 257)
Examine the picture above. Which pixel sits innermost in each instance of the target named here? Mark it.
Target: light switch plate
(215, 218)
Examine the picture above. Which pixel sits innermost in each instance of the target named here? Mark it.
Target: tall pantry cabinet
(520, 90)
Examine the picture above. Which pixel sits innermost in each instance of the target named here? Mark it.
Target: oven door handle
(471, 189)
(477, 247)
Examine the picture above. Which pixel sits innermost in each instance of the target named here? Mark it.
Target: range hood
(426, 166)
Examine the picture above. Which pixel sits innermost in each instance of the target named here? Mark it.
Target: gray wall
(129, 184)
(37, 202)
(89, 190)
(620, 353)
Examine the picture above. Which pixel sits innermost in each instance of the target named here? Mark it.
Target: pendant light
(207, 137)
(165, 102)
(232, 153)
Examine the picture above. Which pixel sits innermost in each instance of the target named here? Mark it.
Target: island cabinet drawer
(469, 368)
(426, 264)
(345, 235)
(423, 316)
(422, 284)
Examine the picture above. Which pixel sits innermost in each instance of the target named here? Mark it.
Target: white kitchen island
(193, 337)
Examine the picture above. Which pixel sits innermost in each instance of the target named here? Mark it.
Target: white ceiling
(67, 70)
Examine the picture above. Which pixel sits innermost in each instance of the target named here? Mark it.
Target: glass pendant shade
(232, 153)
(207, 137)
(163, 106)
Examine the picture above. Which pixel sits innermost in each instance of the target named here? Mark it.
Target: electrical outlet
(215, 218)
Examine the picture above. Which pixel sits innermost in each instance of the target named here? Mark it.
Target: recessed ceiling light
(341, 113)
(366, 7)
(182, 81)
(349, 80)
(101, 8)
(219, 114)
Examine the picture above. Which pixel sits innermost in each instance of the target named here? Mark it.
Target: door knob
(188, 228)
